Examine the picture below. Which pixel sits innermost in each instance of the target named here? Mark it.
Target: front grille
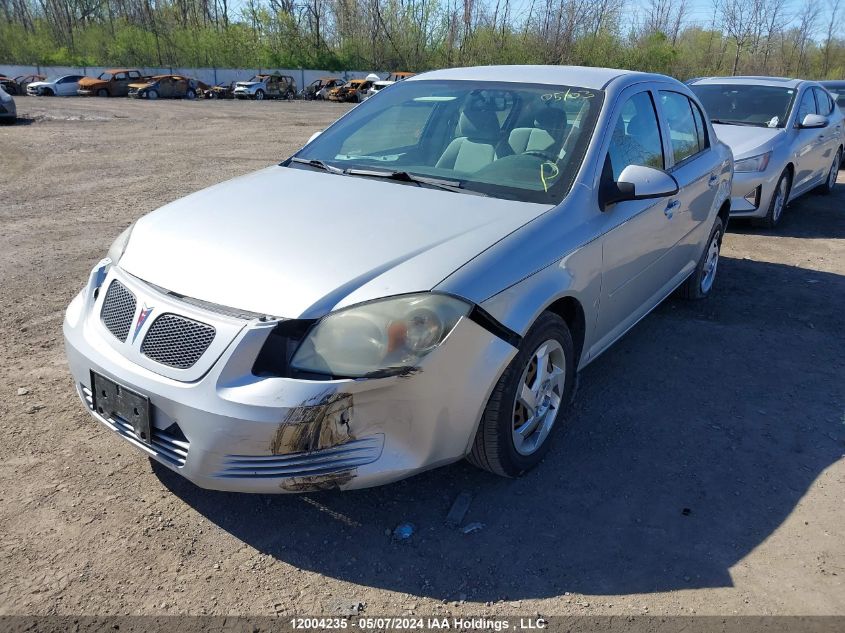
(339, 458)
(177, 341)
(118, 310)
(170, 444)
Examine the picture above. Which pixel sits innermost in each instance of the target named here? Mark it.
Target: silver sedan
(500, 228)
(786, 135)
(8, 111)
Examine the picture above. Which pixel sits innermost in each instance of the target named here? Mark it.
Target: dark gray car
(8, 111)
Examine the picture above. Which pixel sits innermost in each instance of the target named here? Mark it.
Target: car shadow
(689, 443)
(812, 216)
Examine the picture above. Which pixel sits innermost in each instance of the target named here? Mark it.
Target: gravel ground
(701, 470)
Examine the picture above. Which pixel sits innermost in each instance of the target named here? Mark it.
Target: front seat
(478, 133)
(545, 136)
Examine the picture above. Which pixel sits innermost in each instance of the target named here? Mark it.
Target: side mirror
(314, 135)
(814, 121)
(637, 182)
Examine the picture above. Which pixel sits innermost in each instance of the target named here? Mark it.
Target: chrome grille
(177, 341)
(118, 310)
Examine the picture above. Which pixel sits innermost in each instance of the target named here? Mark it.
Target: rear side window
(683, 131)
(700, 127)
(823, 101)
(636, 137)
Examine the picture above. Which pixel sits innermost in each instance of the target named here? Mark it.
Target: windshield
(507, 140)
(256, 79)
(105, 76)
(732, 104)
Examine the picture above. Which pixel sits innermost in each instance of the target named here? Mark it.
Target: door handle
(669, 211)
(714, 178)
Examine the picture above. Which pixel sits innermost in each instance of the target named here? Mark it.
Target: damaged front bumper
(224, 428)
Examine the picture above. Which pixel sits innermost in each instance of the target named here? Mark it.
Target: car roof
(833, 83)
(121, 70)
(750, 80)
(581, 76)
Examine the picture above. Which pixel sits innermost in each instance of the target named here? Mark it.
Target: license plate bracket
(113, 400)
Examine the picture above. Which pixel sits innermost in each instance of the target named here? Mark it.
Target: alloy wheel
(711, 264)
(780, 197)
(834, 171)
(539, 397)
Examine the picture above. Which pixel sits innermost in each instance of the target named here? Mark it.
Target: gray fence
(212, 76)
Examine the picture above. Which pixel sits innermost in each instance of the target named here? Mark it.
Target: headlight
(118, 247)
(389, 335)
(755, 163)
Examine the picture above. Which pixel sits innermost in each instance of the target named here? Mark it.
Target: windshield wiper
(404, 176)
(313, 162)
(747, 123)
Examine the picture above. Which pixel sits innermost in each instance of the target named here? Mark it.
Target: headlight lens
(755, 163)
(386, 336)
(118, 247)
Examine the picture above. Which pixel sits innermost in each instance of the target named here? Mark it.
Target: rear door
(696, 168)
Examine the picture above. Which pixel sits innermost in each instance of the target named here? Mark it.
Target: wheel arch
(571, 311)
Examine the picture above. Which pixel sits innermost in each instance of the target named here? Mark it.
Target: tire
(827, 188)
(699, 284)
(259, 95)
(495, 446)
(777, 205)
(102, 92)
(190, 95)
(152, 95)
(47, 93)
(211, 95)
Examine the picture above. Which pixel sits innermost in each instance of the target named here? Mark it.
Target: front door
(808, 146)
(638, 234)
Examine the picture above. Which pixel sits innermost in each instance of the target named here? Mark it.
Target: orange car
(111, 83)
(352, 90)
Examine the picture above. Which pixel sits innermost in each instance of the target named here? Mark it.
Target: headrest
(553, 120)
(477, 124)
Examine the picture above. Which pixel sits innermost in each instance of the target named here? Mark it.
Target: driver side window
(636, 137)
(807, 105)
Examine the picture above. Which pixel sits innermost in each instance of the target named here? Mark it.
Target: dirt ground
(701, 471)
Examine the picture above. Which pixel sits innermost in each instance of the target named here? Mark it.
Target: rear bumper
(232, 430)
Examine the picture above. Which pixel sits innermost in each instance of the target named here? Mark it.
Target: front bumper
(231, 430)
(761, 185)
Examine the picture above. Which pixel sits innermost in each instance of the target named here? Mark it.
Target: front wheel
(102, 92)
(190, 95)
(780, 197)
(699, 284)
(259, 95)
(528, 400)
(152, 95)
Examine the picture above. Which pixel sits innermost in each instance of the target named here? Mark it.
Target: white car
(64, 86)
(376, 87)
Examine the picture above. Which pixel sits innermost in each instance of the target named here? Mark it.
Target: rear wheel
(780, 196)
(830, 182)
(528, 400)
(700, 282)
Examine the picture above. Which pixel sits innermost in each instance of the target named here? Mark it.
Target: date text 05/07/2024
(419, 623)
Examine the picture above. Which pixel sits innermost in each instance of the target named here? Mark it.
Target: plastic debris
(475, 526)
(403, 531)
(459, 509)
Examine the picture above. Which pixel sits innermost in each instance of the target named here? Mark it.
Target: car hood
(266, 243)
(143, 84)
(40, 84)
(745, 140)
(248, 84)
(87, 82)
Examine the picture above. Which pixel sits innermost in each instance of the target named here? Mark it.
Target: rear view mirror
(637, 182)
(814, 121)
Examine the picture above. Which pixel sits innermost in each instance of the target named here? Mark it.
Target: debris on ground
(23, 391)
(403, 531)
(458, 510)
